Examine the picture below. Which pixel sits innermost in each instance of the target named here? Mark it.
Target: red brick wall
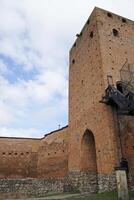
(47, 157)
(18, 158)
(86, 86)
(53, 155)
(115, 50)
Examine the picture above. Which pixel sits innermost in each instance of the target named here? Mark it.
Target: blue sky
(35, 38)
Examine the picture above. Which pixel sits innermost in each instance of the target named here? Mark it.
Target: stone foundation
(106, 182)
(83, 181)
(24, 188)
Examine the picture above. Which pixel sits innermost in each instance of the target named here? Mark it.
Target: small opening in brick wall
(124, 20)
(15, 153)
(3, 153)
(92, 34)
(115, 32)
(27, 152)
(133, 147)
(109, 14)
(63, 151)
(55, 152)
(21, 154)
(9, 153)
(73, 61)
(48, 154)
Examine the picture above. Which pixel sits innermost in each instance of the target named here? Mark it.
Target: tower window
(115, 33)
(73, 61)
(92, 34)
(75, 44)
(124, 20)
(88, 21)
(109, 14)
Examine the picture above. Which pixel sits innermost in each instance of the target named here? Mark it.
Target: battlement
(103, 15)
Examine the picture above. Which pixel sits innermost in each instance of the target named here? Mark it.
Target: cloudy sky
(35, 38)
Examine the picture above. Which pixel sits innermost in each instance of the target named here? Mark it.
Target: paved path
(55, 197)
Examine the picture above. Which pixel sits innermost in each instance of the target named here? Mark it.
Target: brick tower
(99, 138)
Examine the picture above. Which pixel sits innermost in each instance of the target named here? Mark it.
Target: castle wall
(18, 157)
(43, 158)
(84, 154)
(127, 142)
(28, 188)
(86, 86)
(115, 50)
(53, 155)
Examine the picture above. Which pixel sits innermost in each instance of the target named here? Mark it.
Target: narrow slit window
(109, 14)
(73, 61)
(124, 20)
(115, 32)
(92, 34)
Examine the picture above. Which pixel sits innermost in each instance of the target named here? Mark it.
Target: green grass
(102, 196)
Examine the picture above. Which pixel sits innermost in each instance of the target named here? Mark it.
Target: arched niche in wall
(88, 152)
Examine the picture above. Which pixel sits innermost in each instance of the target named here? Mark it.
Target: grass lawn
(102, 196)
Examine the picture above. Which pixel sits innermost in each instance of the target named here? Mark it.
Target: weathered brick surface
(43, 158)
(96, 54)
(18, 158)
(127, 140)
(86, 86)
(53, 155)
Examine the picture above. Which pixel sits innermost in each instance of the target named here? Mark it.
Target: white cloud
(5, 114)
(13, 132)
(37, 35)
